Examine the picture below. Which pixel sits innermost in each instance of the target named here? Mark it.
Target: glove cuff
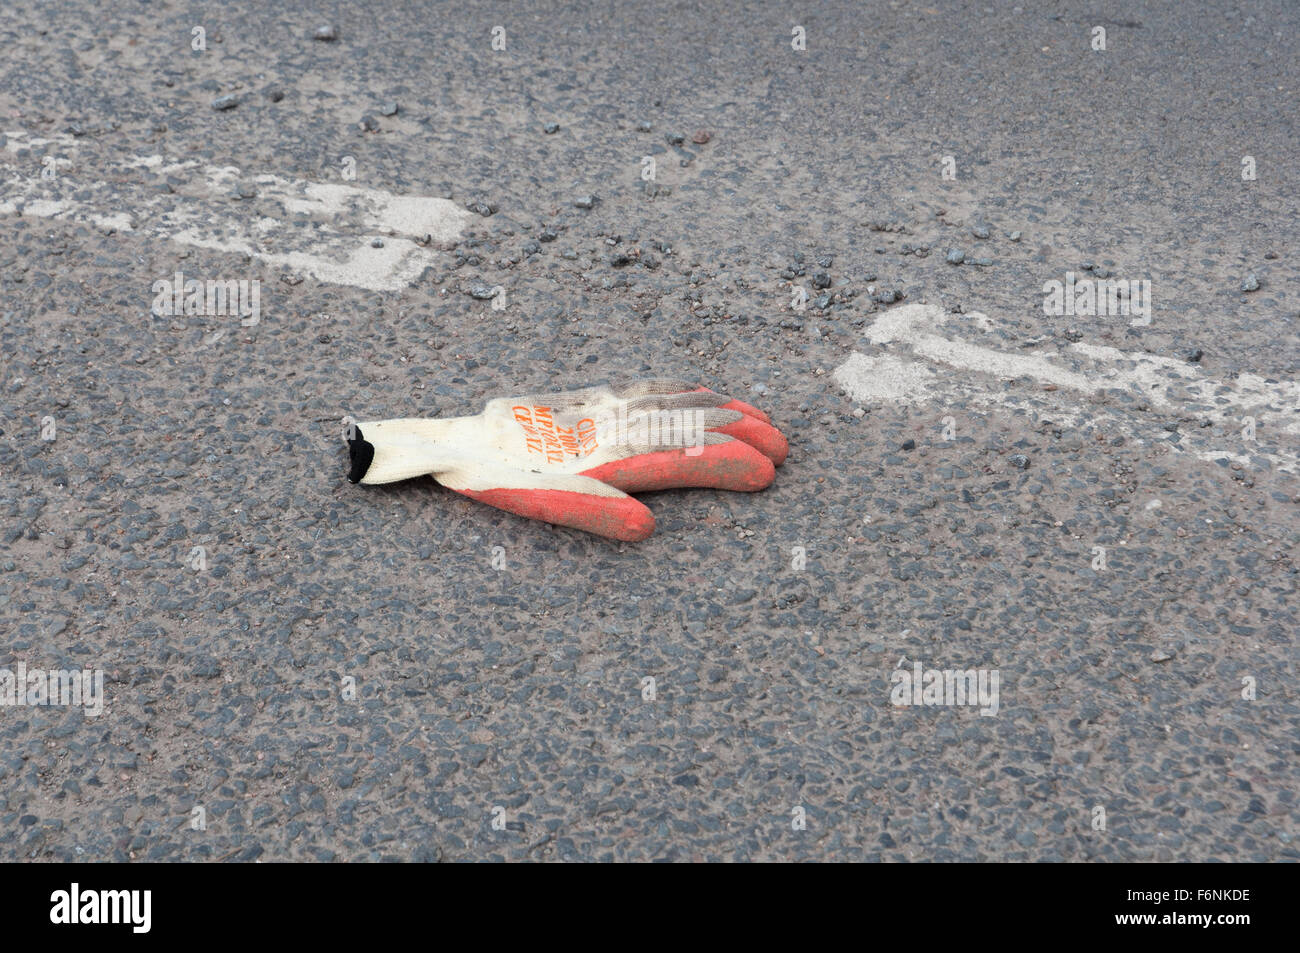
(361, 453)
(385, 451)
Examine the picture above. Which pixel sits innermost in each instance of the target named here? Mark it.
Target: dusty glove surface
(572, 458)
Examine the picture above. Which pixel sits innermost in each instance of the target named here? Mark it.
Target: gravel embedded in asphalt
(331, 672)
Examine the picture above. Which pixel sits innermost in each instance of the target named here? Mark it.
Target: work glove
(571, 459)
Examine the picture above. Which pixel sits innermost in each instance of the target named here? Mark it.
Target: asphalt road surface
(848, 214)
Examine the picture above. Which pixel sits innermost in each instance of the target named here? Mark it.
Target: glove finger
(645, 387)
(664, 386)
(752, 426)
(744, 408)
(562, 499)
(637, 445)
(748, 410)
(762, 436)
(670, 426)
(623, 519)
(729, 465)
(571, 400)
(686, 400)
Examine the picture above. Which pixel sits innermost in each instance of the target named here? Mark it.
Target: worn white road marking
(923, 355)
(881, 378)
(323, 230)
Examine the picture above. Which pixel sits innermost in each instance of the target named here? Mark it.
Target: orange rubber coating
(614, 517)
(763, 437)
(723, 466)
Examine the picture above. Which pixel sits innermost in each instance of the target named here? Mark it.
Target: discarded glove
(572, 458)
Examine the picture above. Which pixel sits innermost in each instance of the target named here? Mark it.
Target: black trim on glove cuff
(362, 453)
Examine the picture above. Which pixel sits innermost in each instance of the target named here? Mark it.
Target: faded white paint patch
(882, 378)
(389, 268)
(323, 230)
(928, 355)
(1150, 372)
(984, 360)
(121, 222)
